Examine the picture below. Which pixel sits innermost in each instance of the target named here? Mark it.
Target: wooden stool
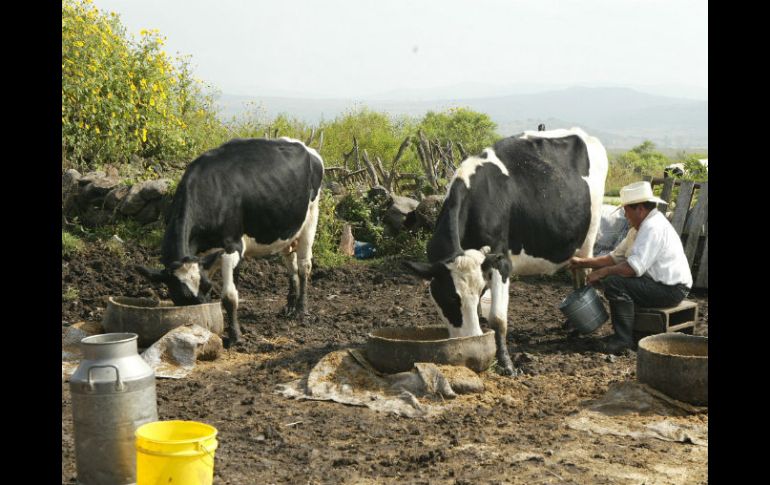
(680, 318)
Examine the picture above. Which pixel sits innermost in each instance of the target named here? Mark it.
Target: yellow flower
(79, 43)
(96, 129)
(144, 134)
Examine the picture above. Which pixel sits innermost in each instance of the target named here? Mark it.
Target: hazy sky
(357, 48)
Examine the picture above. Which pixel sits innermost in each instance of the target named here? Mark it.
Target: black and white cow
(679, 170)
(525, 206)
(246, 198)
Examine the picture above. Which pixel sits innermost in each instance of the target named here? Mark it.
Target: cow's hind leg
(229, 268)
(587, 249)
(305, 255)
(290, 261)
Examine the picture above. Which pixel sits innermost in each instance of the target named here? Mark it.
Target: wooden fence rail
(690, 221)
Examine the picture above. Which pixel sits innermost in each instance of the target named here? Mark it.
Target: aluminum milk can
(113, 393)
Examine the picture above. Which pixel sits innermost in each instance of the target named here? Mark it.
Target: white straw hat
(638, 192)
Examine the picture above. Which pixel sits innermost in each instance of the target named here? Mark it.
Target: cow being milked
(246, 198)
(524, 206)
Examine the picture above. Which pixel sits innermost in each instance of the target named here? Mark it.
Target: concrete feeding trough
(152, 319)
(676, 365)
(392, 350)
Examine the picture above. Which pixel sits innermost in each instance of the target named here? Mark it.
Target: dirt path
(515, 432)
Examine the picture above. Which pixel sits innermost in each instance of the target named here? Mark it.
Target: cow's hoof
(288, 311)
(232, 341)
(510, 371)
(505, 366)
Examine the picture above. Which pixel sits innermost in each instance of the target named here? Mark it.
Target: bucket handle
(205, 450)
(119, 386)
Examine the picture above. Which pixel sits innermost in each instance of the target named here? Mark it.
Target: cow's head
(456, 285)
(187, 283)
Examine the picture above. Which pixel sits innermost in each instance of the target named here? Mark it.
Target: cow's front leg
(305, 256)
(498, 319)
(290, 261)
(230, 295)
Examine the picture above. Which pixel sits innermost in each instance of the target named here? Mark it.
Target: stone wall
(97, 198)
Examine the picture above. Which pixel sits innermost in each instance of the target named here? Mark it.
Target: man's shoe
(615, 346)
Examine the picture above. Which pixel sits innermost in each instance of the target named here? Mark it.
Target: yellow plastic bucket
(181, 452)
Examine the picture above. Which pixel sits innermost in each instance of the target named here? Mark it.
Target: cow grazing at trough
(524, 206)
(246, 198)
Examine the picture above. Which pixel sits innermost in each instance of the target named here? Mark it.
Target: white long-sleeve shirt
(656, 250)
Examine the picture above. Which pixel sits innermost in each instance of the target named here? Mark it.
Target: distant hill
(620, 117)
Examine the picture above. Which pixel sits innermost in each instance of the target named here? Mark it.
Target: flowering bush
(122, 97)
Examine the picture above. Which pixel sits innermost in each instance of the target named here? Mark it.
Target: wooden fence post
(695, 223)
(702, 280)
(355, 151)
(682, 205)
(370, 169)
(665, 194)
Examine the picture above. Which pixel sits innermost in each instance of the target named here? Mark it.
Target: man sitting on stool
(648, 268)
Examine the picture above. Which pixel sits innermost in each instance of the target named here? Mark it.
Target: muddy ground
(515, 432)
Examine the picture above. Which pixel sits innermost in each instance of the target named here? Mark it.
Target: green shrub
(328, 233)
(694, 169)
(122, 97)
(365, 215)
(70, 294)
(71, 245)
(631, 166)
(378, 133)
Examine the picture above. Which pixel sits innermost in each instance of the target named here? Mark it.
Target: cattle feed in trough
(524, 206)
(246, 198)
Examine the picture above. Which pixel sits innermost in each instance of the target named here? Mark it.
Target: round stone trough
(393, 350)
(152, 319)
(676, 365)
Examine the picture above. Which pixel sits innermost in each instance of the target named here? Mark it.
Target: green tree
(643, 159)
(474, 130)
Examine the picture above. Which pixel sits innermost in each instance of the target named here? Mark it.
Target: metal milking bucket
(113, 393)
(584, 310)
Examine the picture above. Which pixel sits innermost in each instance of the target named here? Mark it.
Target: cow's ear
(154, 275)
(210, 259)
(423, 270)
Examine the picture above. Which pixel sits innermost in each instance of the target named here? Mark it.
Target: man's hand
(576, 262)
(595, 276)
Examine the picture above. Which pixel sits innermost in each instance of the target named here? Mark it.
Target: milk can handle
(119, 386)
